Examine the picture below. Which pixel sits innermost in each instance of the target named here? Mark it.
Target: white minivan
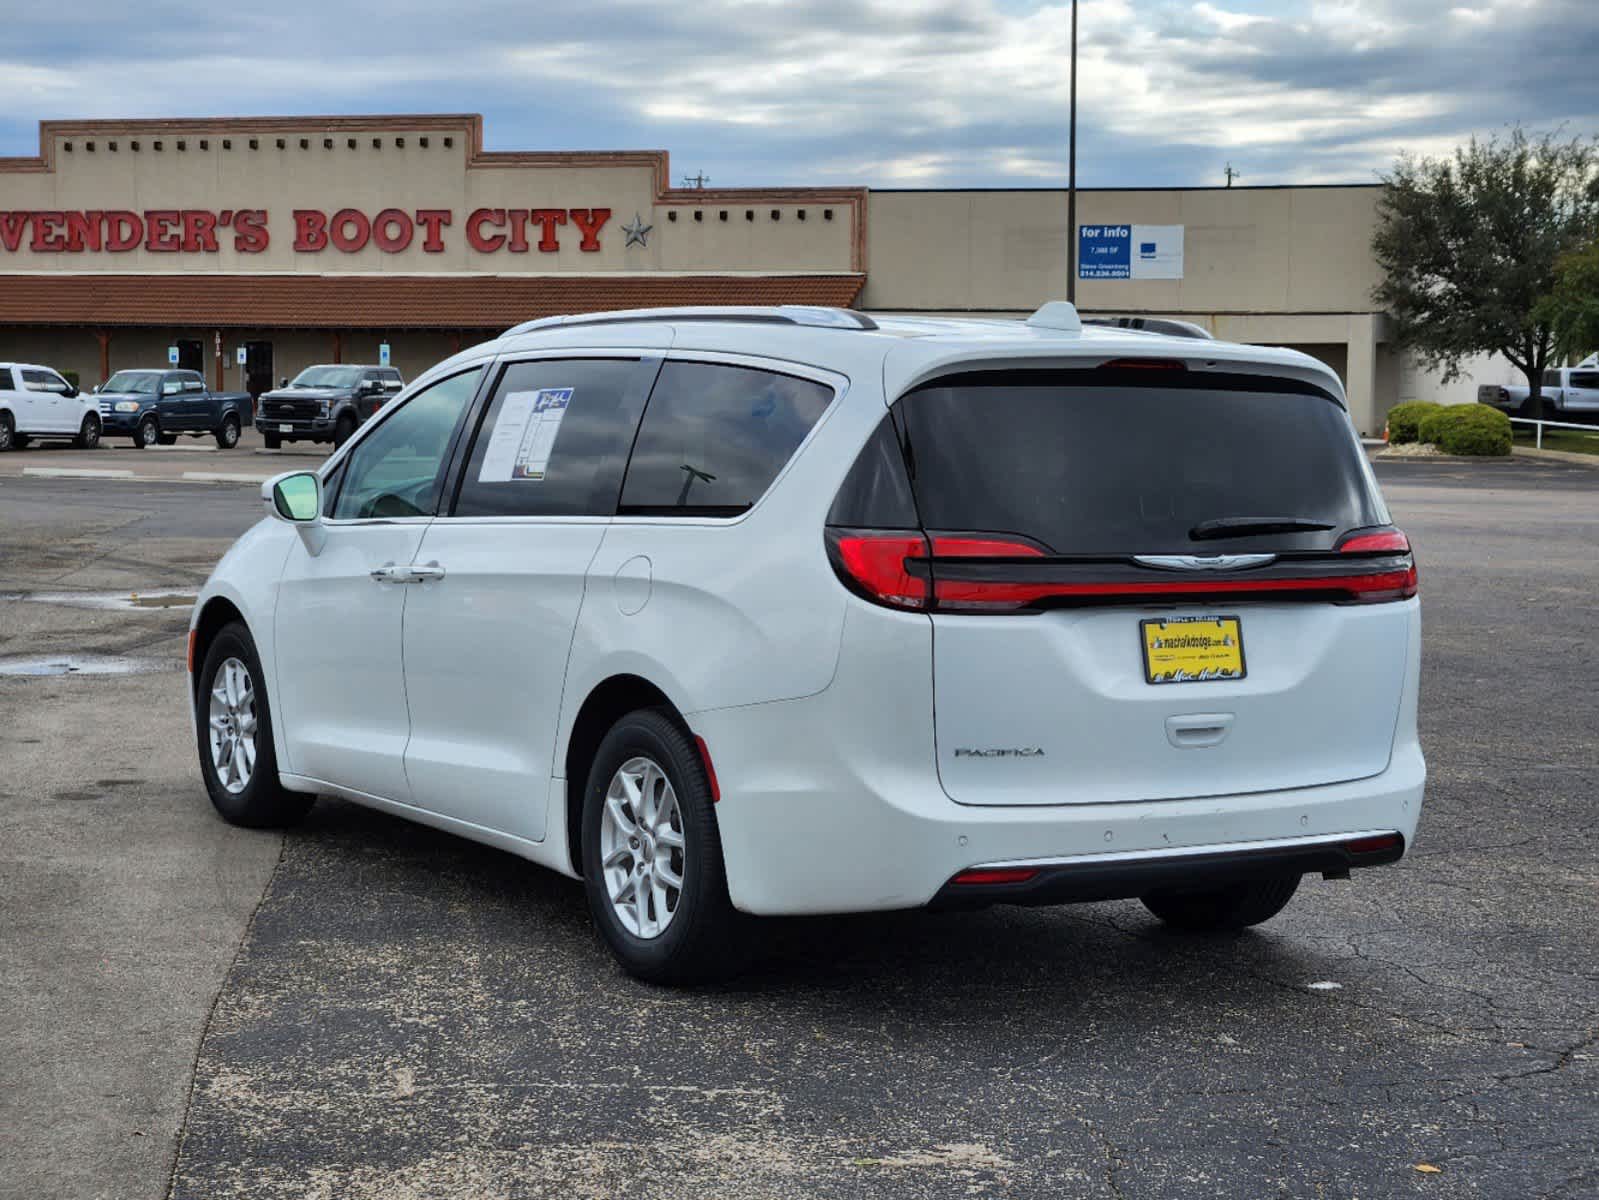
(736, 612)
(37, 403)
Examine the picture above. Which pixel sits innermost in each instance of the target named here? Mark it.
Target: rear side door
(1140, 589)
(198, 407)
(18, 399)
(170, 405)
(487, 634)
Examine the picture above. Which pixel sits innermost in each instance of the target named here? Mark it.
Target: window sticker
(524, 436)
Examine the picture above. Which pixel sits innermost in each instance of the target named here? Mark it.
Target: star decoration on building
(638, 233)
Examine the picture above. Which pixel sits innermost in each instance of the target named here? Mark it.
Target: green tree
(1469, 245)
(1572, 309)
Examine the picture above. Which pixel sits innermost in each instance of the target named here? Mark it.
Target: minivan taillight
(983, 573)
(875, 565)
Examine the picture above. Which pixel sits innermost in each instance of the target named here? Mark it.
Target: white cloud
(889, 91)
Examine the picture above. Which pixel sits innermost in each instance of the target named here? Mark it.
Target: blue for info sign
(1129, 252)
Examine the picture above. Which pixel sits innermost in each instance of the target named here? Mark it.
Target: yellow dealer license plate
(1193, 649)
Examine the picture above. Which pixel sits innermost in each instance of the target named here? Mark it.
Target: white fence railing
(1552, 425)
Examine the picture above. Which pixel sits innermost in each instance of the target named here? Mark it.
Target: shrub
(71, 377)
(1431, 425)
(1468, 429)
(1405, 419)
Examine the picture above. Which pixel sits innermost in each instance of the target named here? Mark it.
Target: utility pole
(1231, 175)
(1071, 181)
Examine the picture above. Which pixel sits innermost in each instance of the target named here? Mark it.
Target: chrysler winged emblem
(1203, 562)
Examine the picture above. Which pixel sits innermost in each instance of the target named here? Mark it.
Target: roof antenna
(1231, 174)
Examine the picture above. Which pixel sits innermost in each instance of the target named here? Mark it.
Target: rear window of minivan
(1118, 462)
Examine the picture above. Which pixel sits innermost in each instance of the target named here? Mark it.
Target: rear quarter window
(714, 436)
(1114, 463)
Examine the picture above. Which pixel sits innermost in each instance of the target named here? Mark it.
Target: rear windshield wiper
(1230, 527)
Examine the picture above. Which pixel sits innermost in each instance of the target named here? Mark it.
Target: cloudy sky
(907, 93)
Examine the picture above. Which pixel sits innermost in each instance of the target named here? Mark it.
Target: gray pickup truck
(154, 407)
(326, 403)
(1567, 392)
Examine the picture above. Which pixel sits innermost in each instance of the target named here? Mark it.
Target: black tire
(271, 441)
(342, 430)
(228, 435)
(8, 432)
(262, 803)
(704, 937)
(147, 434)
(89, 433)
(1235, 906)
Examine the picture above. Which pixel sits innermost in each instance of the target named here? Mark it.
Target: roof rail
(781, 314)
(1170, 326)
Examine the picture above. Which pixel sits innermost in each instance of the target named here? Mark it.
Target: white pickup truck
(1567, 392)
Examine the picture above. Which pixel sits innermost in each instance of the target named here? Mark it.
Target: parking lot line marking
(77, 473)
(224, 477)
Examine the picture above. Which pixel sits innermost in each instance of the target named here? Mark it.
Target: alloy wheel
(233, 725)
(642, 848)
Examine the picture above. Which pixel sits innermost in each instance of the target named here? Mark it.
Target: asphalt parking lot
(365, 1008)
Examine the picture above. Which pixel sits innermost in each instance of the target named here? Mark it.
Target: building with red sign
(320, 239)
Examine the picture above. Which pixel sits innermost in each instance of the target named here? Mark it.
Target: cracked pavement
(398, 1013)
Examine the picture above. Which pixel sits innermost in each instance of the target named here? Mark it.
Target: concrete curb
(224, 477)
(1565, 456)
(77, 473)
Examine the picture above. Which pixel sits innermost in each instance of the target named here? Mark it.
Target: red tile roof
(383, 302)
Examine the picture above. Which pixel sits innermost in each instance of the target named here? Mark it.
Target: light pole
(1071, 180)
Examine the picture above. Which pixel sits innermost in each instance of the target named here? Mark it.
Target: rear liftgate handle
(1198, 730)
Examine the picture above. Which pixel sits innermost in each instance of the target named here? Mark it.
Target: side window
(171, 385)
(1585, 379)
(193, 383)
(714, 437)
(1551, 379)
(554, 441)
(397, 470)
(44, 381)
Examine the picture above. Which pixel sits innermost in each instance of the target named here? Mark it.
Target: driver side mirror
(284, 382)
(296, 499)
(71, 392)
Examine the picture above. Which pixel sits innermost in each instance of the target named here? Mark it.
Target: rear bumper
(1123, 876)
(832, 803)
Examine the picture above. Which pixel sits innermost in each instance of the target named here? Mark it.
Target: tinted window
(1585, 379)
(396, 471)
(1551, 379)
(876, 493)
(714, 437)
(554, 440)
(43, 381)
(1090, 462)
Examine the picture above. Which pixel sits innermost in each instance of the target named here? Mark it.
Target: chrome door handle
(426, 572)
(389, 573)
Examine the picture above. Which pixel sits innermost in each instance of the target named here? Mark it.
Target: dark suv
(325, 403)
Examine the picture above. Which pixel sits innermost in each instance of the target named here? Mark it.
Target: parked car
(1567, 392)
(37, 402)
(155, 407)
(734, 612)
(326, 403)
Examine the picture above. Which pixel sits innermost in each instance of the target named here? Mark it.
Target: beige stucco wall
(1246, 250)
(409, 178)
(1270, 266)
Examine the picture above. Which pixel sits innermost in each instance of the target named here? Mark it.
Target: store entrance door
(190, 357)
(257, 368)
